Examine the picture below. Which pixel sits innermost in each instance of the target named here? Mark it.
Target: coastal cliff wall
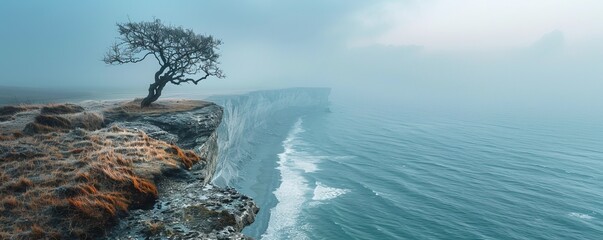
(253, 129)
(248, 114)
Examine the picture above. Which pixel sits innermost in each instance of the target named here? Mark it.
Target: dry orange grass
(65, 185)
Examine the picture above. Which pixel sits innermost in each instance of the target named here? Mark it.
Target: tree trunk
(154, 94)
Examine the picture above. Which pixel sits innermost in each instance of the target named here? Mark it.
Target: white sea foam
(580, 215)
(309, 165)
(339, 158)
(290, 194)
(322, 192)
(243, 116)
(294, 192)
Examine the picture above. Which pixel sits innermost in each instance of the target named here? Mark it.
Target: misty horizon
(514, 55)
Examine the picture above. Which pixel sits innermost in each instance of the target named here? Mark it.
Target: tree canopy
(183, 56)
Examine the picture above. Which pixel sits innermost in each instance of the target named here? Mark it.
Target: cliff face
(247, 115)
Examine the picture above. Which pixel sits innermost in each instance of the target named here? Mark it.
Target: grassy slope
(60, 183)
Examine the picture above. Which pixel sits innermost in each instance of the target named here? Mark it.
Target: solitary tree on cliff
(183, 56)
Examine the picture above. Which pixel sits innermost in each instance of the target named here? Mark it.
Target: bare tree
(183, 56)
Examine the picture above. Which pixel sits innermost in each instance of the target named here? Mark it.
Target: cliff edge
(111, 169)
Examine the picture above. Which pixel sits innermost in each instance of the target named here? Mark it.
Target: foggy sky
(537, 54)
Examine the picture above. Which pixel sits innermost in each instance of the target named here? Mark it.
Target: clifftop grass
(59, 182)
(132, 108)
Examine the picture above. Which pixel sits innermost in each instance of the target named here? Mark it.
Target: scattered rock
(151, 130)
(197, 213)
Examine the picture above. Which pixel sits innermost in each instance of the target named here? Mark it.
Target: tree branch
(161, 70)
(179, 80)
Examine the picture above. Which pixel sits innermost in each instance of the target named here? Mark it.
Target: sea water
(349, 171)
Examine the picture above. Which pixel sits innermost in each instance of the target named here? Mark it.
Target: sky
(537, 54)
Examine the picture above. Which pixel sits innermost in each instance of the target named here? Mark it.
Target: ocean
(335, 169)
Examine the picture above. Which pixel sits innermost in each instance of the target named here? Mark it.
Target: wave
(290, 194)
(580, 215)
(323, 193)
(295, 192)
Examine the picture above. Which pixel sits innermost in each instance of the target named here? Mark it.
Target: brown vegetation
(7, 112)
(74, 183)
(61, 109)
(63, 123)
(53, 121)
(10, 135)
(86, 120)
(10, 110)
(46, 124)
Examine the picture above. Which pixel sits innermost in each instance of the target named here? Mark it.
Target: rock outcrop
(192, 128)
(188, 207)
